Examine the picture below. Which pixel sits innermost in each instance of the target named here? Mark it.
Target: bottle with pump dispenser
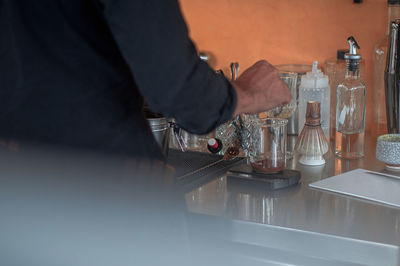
(350, 108)
(314, 86)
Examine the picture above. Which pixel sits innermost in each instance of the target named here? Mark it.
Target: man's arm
(153, 39)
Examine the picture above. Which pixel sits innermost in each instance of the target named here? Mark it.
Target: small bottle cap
(213, 143)
(314, 79)
(313, 113)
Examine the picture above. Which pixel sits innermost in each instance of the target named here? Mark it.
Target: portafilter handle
(234, 70)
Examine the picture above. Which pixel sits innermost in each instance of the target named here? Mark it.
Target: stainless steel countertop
(76, 208)
(303, 208)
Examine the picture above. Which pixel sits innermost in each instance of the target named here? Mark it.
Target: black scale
(245, 175)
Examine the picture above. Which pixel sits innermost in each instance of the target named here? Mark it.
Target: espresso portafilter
(392, 79)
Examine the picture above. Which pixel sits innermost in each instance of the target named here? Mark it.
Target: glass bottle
(335, 68)
(379, 62)
(350, 108)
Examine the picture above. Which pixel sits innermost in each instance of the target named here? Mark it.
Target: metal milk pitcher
(392, 79)
(161, 130)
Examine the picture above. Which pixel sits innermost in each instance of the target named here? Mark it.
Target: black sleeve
(153, 38)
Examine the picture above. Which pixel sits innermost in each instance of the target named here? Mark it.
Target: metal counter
(354, 231)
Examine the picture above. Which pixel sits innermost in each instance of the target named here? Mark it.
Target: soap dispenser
(351, 98)
(314, 86)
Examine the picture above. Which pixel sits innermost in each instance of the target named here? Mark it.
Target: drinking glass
(286, 111)
(267, 151)
(300, 70)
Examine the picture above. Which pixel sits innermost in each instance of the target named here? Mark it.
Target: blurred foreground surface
(80, 208)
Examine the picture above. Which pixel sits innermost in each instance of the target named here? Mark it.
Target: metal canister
(392, 79)
(160, 129)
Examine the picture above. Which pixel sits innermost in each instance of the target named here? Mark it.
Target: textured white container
(388, 150)
(314, 86)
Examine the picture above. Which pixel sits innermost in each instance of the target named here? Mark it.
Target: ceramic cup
(388, 150)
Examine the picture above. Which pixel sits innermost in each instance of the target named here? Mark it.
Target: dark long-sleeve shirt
(75, 72)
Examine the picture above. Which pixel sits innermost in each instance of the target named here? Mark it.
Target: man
(74, 73)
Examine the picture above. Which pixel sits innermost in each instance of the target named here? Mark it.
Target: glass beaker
(300, 70)
(267, 151)
(286, 111)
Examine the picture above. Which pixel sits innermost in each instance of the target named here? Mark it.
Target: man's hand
(259, 89)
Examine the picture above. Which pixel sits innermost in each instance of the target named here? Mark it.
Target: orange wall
(284, 31)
